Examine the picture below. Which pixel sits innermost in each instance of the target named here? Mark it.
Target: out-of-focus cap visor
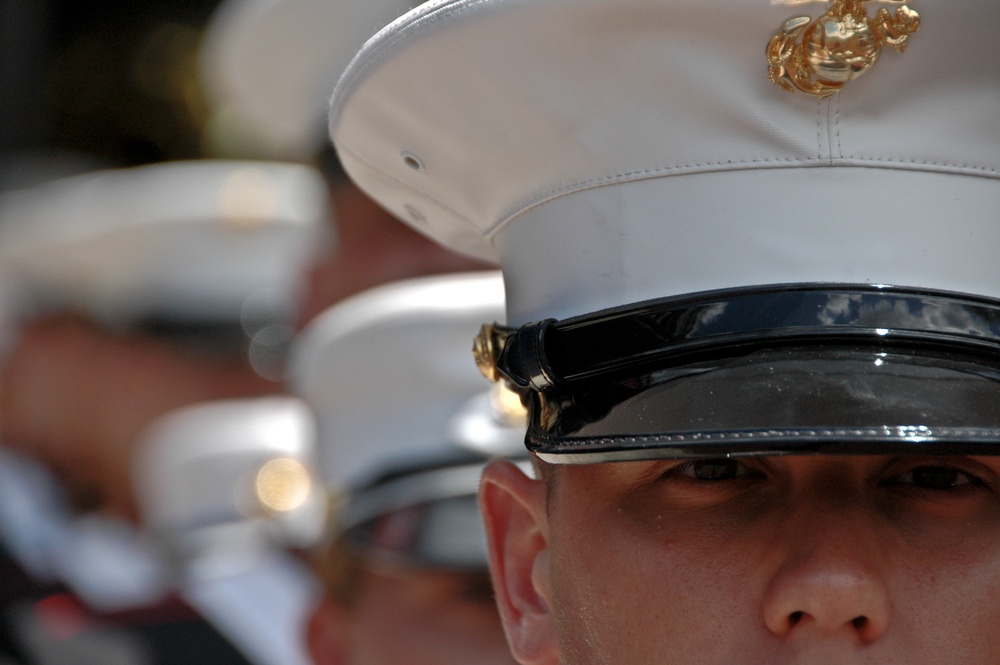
(445, 534)
(834, 370)
(424, 517)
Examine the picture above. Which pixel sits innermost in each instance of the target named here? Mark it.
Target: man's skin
(811, 560)
(416, 617)
(77, 396)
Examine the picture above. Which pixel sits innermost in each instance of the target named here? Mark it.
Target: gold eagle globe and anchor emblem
(819, 56)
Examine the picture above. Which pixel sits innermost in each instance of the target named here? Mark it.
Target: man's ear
(327, 633)
(514, 514)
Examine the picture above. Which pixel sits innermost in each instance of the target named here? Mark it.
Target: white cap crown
(612, 151)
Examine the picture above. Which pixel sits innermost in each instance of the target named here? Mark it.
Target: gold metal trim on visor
(507, 406)
(486, 349)
(820, 56)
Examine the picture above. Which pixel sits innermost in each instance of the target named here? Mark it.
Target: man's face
(413, 617)
(770, 560)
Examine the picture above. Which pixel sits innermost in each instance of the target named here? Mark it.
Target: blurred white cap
(223, 487)
(220, 482)
(197, 241)
(391, 377)
(269, 65)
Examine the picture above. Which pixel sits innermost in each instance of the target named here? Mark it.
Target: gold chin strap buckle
(486, 349)
(820, 56)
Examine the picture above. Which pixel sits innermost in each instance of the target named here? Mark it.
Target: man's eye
(935, 478)
(711, 469)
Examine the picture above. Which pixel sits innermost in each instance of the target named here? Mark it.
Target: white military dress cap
(270, 64)
(609, 152)
(188, 240)
(403, 415)
(230, 475)
(222, 488)
(535, 130)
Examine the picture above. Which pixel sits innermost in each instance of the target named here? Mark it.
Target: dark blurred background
(89, 83)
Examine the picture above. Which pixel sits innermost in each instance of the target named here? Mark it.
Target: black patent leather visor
(776, 370)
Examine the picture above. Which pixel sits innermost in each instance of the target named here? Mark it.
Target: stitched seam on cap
(830, 103)
(840, 148)
(732, 165)
(642, 174)
(819, 135)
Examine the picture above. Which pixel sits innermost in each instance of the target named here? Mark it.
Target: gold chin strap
(486, 349)
(820, 56)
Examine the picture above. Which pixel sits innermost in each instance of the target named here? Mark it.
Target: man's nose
(829, 582)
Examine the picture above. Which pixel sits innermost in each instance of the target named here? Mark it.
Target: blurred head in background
(405, 424)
